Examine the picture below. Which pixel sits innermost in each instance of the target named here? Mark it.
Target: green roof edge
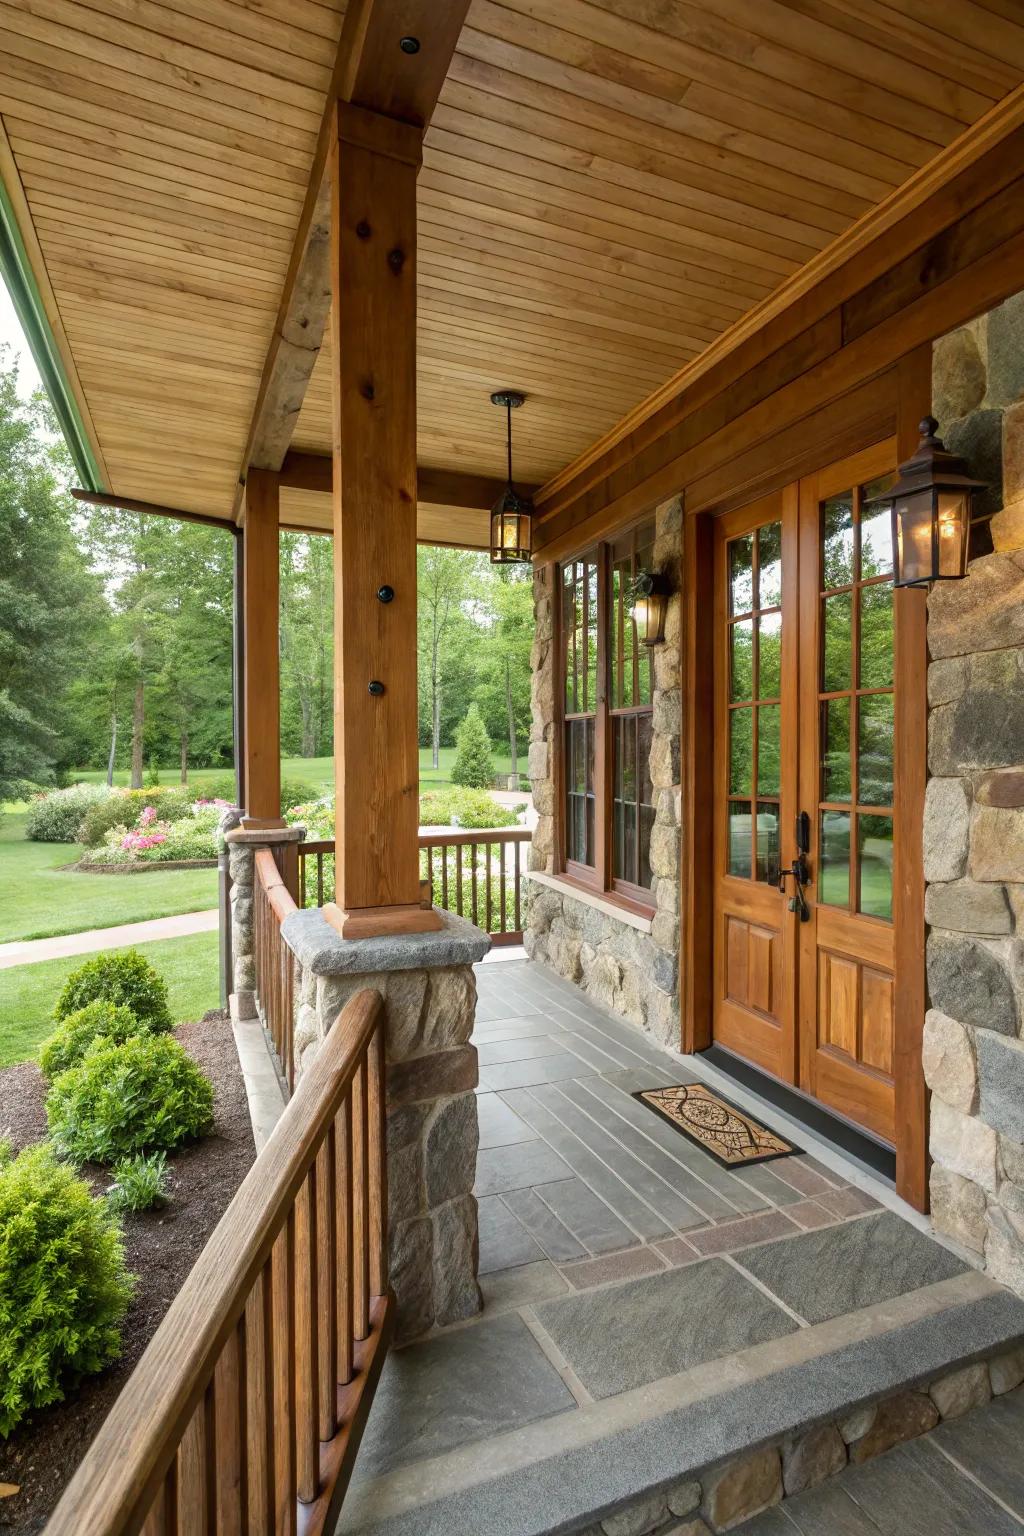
(25, 296)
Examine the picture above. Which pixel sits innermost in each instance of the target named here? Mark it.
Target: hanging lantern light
(512, 514)
(648, 602)
(931, 513)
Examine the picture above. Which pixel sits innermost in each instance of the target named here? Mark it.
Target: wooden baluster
(488, 855)
(519, 918)
(360, 1203)
(501, 885)
(307, 1380)
(444, 877)
(378, 1163)
(259, 1404)
(283, 1290)
(289, 1010)
(320, 879)
(343, 1237)
(302, 880)
(191, 1491)
(170, 1497)
(229, 1391)
(458, 879)
(210, 1441)
(473, 849)
(326, 1282)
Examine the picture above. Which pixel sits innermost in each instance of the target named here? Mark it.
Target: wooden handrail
(265, 1322)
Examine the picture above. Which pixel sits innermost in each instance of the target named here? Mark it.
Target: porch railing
(274, 963)
(477, 874)
(245, 1412)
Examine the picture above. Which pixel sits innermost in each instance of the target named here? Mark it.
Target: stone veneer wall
(974, 813)
(631, 969)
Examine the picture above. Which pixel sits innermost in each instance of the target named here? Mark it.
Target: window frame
(599, 877)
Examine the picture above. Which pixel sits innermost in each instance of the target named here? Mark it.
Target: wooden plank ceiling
(607, 186)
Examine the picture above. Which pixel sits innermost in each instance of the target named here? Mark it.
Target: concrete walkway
(65, 945)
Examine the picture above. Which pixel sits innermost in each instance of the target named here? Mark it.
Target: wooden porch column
(374, 164)
(261, 665)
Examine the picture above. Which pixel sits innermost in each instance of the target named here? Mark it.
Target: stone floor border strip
(759, 1285)
(554, 1354)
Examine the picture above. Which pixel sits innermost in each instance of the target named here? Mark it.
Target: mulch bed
(161, 1247)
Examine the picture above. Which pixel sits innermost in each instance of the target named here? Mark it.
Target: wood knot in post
(396, 260)
(367, 390)
(363, 230)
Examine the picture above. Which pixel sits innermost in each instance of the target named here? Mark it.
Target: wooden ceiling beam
(434, 487)
(372, 71)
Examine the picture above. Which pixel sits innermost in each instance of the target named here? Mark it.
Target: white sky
(12, 334)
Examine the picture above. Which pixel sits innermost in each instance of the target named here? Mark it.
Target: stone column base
(429, 991)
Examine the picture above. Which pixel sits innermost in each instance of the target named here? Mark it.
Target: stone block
(978, 438)
(538, 760)
(947, 815)
(664, 853)
(1001, 1084)
(694, 1527)
(668, 712)
(997, 844)
(684, 1498)
(947, 680)
(984, 727)
(433, 1076)
(1005, 336)
(639, 1519)
(451, 1140)
(958, 1207)
(958, 376)
(456, 1252)
(412, 1280)
(856, 1425)
(242, 1006)
(1013, 452)
(810, 1458)
(1006, 1372)
(244, 973)
(1004, 787)
(948, 1061)
(980, 613)
(965, 906)
(665, 931)
(968, 980)
(450, 1007)
(742, 1489)
(1007, 528)
(963, 1144)
(664, 761)
(1004, 1248)
(240, 865)
(961, 1391)
(1011, 1159)
(898, 1419)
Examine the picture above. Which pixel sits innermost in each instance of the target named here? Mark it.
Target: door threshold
(849, 1139)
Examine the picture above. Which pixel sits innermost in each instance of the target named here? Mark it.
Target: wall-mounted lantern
(931, 513)
(648, 604)
(512, 514)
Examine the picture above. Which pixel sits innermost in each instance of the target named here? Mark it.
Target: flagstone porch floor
(647, 1311)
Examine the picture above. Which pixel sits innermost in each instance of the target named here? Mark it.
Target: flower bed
(191, 840)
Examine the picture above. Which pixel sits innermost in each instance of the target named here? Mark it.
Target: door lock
(798, 871)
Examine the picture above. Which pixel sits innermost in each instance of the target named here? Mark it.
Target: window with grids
(608, 800)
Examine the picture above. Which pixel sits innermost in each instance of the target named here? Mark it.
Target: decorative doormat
(730, 1135)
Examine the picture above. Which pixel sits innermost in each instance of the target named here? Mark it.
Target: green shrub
(72, 1038)
(473, 765)
(123, 807)
(145, 1095)
(64, 1288)
(140, 1183)
(55, 817)
(126, 979)
(293, 791)
(461, 807)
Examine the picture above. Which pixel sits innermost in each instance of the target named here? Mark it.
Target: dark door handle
(797, 871)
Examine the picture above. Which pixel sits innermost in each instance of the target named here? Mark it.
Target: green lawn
(317, 772)
(28, 992)
(38, 898)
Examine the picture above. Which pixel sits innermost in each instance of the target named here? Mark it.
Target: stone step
(714, 1443)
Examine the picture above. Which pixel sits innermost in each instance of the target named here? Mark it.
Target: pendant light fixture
(512, 514)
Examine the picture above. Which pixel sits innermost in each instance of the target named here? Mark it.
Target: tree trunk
(308, 726)
(184, 757)
(138, 724)
(435, 726)
(113, 749)
(511, 715)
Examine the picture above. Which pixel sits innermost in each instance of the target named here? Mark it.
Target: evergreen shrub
(474, 765)
(73, 1037)
(123, 978)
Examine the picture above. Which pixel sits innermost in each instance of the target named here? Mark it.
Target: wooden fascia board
(985, 159)
(371, 71)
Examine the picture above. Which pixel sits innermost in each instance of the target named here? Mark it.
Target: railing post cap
(264, 837)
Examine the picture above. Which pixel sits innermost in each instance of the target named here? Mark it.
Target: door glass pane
(591, 681)
(767, 842)
(836, 778)
(876, 636)
(741, 751)
(834, 859)
(768, 749)
(769, 558)
(837, 626)
(645, 728)
(837, 538)
(876, 735)
(875, 542)
(769, 656)
(741, 667)
(740, 840)
(741, 574)
(874, 837)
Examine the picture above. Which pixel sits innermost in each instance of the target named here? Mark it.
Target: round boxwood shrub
(55, 817)
(63, 1284)
(72, 1038)
(146, 1095)
(126, 979)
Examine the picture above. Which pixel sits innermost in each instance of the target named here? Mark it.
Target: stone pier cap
(320, 948)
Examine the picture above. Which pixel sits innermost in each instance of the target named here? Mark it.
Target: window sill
(610, 905)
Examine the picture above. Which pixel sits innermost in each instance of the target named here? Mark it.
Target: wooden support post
(261, 665)
(374, 164)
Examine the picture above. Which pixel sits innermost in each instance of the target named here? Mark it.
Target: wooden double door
(805, 842)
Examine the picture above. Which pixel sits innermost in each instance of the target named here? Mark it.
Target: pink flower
(148, 815)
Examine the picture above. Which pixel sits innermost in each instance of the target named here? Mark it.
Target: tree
(50, 603)
(442, 579)
(474, 765)
(503, 659)
(307, 643)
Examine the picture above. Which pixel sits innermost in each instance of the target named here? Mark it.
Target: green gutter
(17, 273)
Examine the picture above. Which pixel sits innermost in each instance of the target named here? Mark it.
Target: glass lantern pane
(914, 538)
(954, 523)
